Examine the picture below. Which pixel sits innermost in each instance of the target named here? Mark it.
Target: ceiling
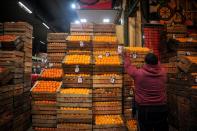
(57, 14)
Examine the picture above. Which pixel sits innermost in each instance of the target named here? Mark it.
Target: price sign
(188, 53)
(107, 54)
(50, 64)
(120, 48)
(81, 44)
(80, 79)
(100, 56)
(112, 80)
(77, 69)
(134, 55)
(190, 39)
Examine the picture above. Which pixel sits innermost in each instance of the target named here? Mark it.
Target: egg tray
(44, 95)
(77, 81)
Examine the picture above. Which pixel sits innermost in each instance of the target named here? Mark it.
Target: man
(150, 93)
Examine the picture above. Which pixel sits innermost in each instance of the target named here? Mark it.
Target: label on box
(188, 53)
(77, 69)
(134, 55)
(80, 79)
(100, 56)
(50, 64)
(107, 54)
(120, 48)
(81, 44)
(112, 80)
(190, 39)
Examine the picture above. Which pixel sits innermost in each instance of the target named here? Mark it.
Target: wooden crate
(44, 95)
(74, 118)
(107, 81)
(74, 100)
(18, 28)
(15, 44)
(108, 108)
(76, 69)
(107, 69)
(44, 109)
(55, 57)
(81, 27)
(187, 65)
(57, 37)
(100, 28)
(109, 128)
(104, 45)
(45, 121)
(107, 94)
(50, 79)
(79, 45)
(77, 81)
(56, 48)
(74, 127)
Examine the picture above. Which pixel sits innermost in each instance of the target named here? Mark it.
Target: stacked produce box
(182, 94)
(15, 100)
(75, 98)
(56, 49)
(178, 47)
(81, 29)
(107, 80)
(45, 91)
(181, 88)
(25, 31)
(137, 59)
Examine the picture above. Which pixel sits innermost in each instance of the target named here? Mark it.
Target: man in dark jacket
(150, 93)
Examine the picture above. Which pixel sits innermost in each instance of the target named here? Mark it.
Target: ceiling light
(42, 42)
(24, 7)
(106, 20)
(77, 22)
(83, 20)
(73, 6)
(46, 25)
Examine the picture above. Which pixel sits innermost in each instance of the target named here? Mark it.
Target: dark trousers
(152, 118)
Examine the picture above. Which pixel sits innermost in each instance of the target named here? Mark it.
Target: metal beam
(133, 7)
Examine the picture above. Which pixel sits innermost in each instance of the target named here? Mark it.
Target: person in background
(150, 93)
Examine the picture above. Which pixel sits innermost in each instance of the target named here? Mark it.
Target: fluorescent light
(24, 7)
(106, 20)
(33, 37)
(73, 6)
(46, 25)
(77, 22)
(42, 42)
(83, 20)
